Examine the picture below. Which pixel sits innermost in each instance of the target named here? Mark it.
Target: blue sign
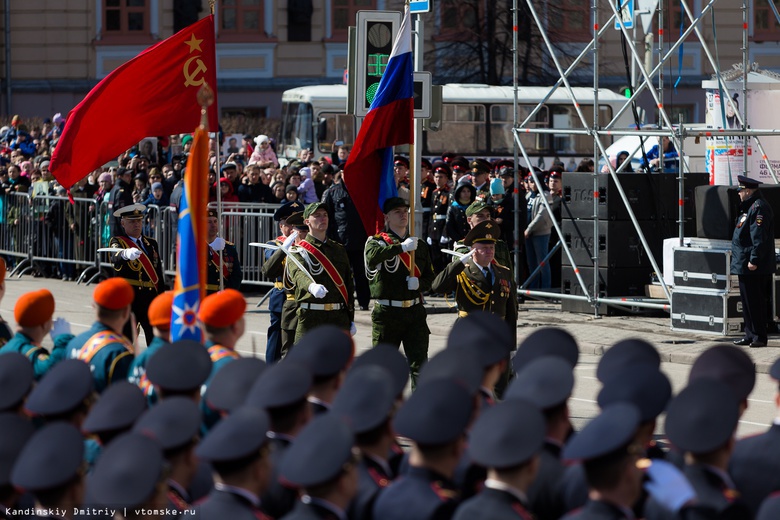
(420, 6)
(626, 13)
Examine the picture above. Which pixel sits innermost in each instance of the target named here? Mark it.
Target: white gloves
(289, 241)
(465, 258)
(412, 283)
(444, 240)
(317, 290)
(352, 328)
(430, 242)
(131, 254)
(59, 326)
(410, 244)
(218, 244)
(668, 485)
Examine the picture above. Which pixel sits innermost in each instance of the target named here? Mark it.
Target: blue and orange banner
(190, 285)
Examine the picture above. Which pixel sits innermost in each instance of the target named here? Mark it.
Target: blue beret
(117, 409)
(728, 364)
(507, 434)
(173, 422)
(50, 459)
(282, 384)
(545, 382)
(15, 431)
(463, 366)
(626, 353)
(62, 389)
(230, 385)
(388, 357)
(644, 386)
(548, 341)
(127, 471)
(702, 417)
(327, 350)
(237, 436)
(181, 366)
(484, 332)
(16, 379)
(608, 432)
(366, 398)
(436, 413)
(319, 453)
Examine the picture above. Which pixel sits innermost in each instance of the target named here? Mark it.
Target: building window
(126, 17)
(240, 16)
(345, 14)
(459, 20)
(570, 23)
(765, 26)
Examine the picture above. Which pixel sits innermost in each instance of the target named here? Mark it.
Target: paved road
(678, 350)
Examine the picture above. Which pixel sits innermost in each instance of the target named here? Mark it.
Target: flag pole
(412, 197)
(219, 183)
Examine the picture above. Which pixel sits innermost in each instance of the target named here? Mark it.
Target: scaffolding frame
(666, 128)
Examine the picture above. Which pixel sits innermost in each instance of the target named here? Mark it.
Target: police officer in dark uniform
(753, 259)
(229, 264)
(489, 287)
(139, 263)
(440, 203)
(120, 196)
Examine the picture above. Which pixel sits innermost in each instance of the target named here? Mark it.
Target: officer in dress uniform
(16, 380)
(427, 491)
(507, 440)
(479, 282)
(230, 263)
(399, 315)
(130, 475)
(57, 486)
(108, 353)
(33, 313)
(440, 203)
(327, 351)
(160, 318)
(139, 263)
(273, 267)
(281, 391)
(325, 291)
(174, 424)
(753, 259)
(238, 449)
(366, 402)
(477, 212)
(322, 462)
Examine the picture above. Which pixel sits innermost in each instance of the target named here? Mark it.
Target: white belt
(439, 217)
(426, 210)
(404, 304)
(322, 306)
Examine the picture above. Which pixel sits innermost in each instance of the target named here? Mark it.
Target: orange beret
(160, 310)
(34, 308)
(222, 309)
(2, 269)
(114, 294)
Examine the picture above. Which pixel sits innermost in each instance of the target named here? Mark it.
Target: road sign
(376, 31)
(420, 6)
(646, 12)
(626, 13)
(422, 95)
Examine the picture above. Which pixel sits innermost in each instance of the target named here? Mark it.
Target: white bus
(476, 121)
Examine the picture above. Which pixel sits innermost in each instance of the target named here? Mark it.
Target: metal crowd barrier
(15, 231)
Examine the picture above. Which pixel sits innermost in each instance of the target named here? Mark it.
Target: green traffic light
(627, 92)
(371, 92)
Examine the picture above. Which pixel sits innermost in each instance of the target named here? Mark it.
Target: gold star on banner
(194, 44)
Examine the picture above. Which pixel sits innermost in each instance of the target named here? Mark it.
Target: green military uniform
(328, 264)
(231, 269)
(399, 315)
(502, 255)
(473, 292)
(275, 267)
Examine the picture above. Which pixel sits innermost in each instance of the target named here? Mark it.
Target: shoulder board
(229, 243)
(496, 264)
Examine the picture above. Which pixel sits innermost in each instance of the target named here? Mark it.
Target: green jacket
(387, 271)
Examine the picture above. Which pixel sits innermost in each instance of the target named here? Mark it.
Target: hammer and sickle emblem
(191, 78)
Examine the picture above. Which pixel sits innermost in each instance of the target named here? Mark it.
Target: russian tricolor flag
(368, 173)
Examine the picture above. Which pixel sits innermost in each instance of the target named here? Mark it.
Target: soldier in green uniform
(231, 265)
(275, 266)
(139, 263)
(479, 281)
(399, 315)
(478, 212)
(325, 291)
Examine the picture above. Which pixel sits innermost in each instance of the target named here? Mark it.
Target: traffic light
(376, 31)
(626, 91)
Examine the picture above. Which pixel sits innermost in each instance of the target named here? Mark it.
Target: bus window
(501, 140)
(462, 131)
(338, 127)
(296, 132)
(564, 116)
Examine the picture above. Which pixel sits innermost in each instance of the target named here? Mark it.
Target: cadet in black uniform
(440, 203)
(231, 263)
(753, 259)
